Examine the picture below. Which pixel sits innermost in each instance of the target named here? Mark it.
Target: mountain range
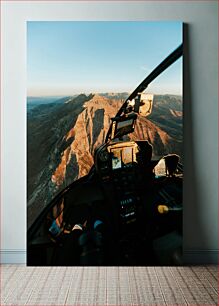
(63, 134)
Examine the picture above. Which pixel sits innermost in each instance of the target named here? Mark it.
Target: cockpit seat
(145, 153)
(171, 162)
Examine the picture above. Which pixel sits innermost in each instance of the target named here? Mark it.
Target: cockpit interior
(126, 211)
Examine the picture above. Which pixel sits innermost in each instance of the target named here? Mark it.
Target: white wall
(200, 110)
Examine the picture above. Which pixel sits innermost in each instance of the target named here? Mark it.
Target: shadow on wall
(192, 219)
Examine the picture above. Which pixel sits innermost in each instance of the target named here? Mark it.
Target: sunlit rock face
(62, 138)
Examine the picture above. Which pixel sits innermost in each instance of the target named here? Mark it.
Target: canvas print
(104, 143)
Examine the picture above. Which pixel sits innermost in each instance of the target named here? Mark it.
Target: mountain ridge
(66, 136)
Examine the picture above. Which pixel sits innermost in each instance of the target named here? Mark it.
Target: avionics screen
(124, 127)
(121, 157)
(125, 124)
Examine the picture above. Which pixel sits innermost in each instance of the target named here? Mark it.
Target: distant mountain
(117, 95)
(167, 115)
(62, 138)
(32, 102)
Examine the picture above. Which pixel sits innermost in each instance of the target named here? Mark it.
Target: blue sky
(66, 58)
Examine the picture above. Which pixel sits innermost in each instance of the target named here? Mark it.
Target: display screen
(121, 157)
(116, 158)
(125, 124)
(124, 127)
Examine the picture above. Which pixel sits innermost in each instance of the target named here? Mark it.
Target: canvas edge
(191, 257)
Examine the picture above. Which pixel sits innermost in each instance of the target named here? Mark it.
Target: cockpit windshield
(64, 132)
(105, 169)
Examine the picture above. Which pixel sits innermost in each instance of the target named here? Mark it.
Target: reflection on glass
(116, 159)
(122, 157)
(127, 155)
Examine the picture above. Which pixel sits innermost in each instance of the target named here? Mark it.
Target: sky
(67, 58)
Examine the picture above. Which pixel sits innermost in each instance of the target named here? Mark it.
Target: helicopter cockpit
(139, 210)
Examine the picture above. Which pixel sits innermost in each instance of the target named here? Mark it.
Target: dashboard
(113, 157)
(119, 164)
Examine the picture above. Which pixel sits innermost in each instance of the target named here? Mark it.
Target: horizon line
(87, 94)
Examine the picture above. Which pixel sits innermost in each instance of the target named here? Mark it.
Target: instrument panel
(115, 156)
(115, 162)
